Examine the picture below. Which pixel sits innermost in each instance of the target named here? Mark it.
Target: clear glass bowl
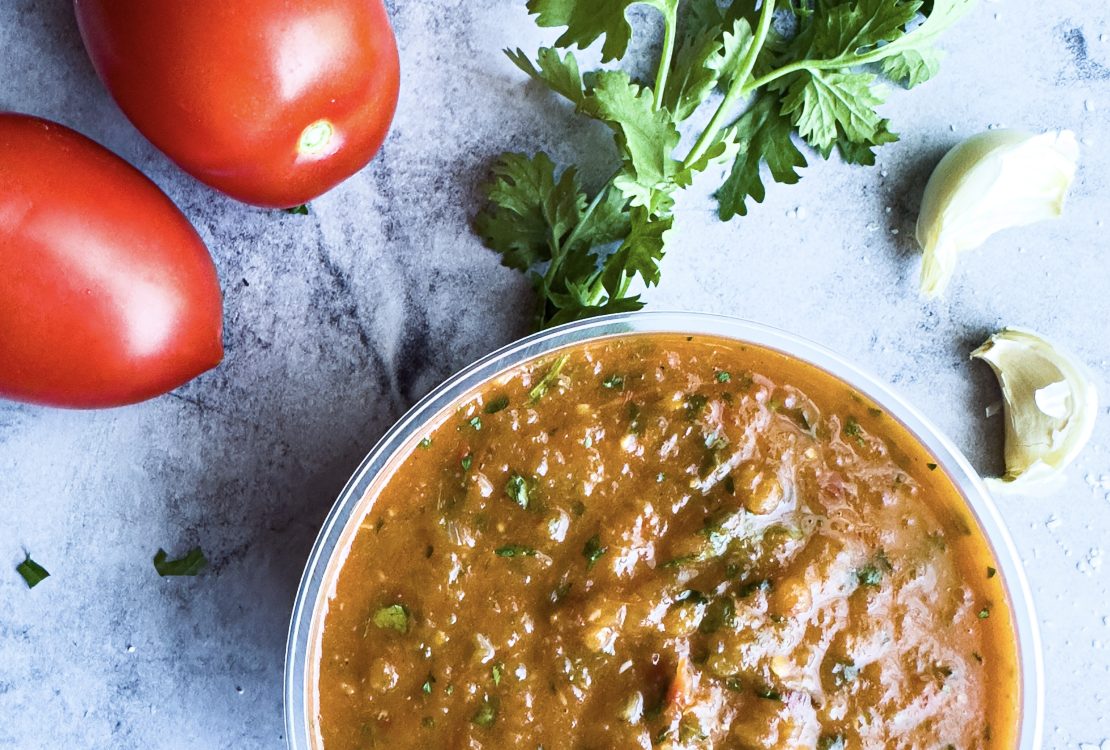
(330, 550)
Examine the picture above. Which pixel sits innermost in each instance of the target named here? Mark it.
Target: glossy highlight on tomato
(108, 295)
(273, 102)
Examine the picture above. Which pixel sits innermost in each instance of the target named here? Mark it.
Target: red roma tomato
(107, 294)
(274, 102)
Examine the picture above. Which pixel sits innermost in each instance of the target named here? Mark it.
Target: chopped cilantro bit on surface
(393, 617)
(872, 573)
(515, 550)
(723, 377)
(192, 563)
(517, 490)
(475, 422)
(593, 550)
(496, 671)
(426, 442)
(466, 462)
(550, 378)
(497, 404)
(991, 572)
(853, 430)
(486, 714)
(33, 573)
(769, 694)
(614, 382)
(985, 612)
(427, 687)
(931, 466)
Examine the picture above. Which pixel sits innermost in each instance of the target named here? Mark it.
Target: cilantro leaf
(822, 102)
(843, 29)
(862, 153)
(765, 135)
(609, 222)
(33, 574)
(191, 564)
(639, 254)
(586, 21)
(711, 58)
(540, 223)
(645, 136)
(912, 67)
(561, 74)
(700, 15)
(692, 76)
(736, 42)
(530, 209)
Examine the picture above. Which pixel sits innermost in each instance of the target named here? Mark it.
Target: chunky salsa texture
(657, 541)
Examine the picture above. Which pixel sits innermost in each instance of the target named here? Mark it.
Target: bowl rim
(314, 581)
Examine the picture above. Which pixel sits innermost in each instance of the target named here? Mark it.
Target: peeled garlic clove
(1050, 405)
(992, 181)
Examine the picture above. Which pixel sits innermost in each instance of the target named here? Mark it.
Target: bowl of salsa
(664, 530)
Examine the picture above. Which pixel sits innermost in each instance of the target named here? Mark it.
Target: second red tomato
(273, 102)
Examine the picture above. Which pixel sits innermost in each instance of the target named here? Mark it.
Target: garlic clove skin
(992, 181)
(1050, 406)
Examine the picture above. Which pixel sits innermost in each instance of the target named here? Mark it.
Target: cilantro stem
(669, 9)
(740, 86)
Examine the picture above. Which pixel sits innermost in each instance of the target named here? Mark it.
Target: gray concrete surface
(338, 321)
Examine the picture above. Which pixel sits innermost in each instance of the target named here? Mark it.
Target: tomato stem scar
(316, 138)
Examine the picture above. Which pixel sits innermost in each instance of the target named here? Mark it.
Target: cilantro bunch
(791, 72)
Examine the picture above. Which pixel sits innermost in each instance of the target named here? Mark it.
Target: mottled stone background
(338, 321)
